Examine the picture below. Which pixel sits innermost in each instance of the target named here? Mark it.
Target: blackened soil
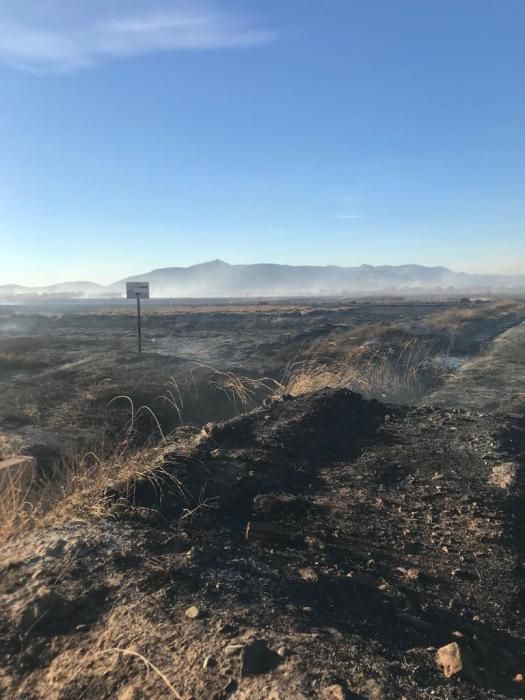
(390, 533)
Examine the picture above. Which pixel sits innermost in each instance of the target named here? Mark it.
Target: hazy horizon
(137, 135)
(217, 278)
(50, 281)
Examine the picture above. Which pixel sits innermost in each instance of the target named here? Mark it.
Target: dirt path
(494, 381)
(393, 532)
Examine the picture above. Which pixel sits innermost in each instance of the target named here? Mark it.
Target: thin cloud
(59, 39)
(350, 216)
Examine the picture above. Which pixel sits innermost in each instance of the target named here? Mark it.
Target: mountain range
(220, 279)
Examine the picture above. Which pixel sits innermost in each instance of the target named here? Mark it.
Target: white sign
(137, 290)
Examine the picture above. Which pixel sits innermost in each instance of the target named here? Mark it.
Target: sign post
(138, 291)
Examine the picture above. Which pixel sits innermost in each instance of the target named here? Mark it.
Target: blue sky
(137, 134)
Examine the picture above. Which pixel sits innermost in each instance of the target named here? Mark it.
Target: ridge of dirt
(395, 531)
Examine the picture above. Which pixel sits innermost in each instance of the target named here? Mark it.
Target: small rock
(193, 613)
(309, 574)
(282, 651)
(449, 659)
(257, 658)
(233, 649)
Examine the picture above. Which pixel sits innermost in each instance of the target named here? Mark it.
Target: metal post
(138, 323)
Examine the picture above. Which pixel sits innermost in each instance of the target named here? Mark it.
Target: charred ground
(390, 537)
(319, 546)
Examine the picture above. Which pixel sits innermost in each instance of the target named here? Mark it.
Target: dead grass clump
(243, 392)
(79, 485)
(82, 487)
(396, 374)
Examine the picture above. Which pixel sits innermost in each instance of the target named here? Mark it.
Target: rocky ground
(318, 547)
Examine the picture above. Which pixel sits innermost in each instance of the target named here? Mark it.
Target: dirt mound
(280, 445)
(323, 546)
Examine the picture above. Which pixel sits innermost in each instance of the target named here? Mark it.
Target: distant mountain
(73, 288)
(63, 290)
(217, 278)
(220, 279)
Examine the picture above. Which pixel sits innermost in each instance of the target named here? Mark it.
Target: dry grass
(79, 485)
(392, 374)
(16, 509)
(243, 392)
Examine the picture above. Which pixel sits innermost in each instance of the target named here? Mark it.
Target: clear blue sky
(137, 134)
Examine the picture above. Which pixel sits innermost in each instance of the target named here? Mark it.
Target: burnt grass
(62, 364)
(386, 538)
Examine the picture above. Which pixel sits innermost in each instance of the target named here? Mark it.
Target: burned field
(62, 366)
(299, 540)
